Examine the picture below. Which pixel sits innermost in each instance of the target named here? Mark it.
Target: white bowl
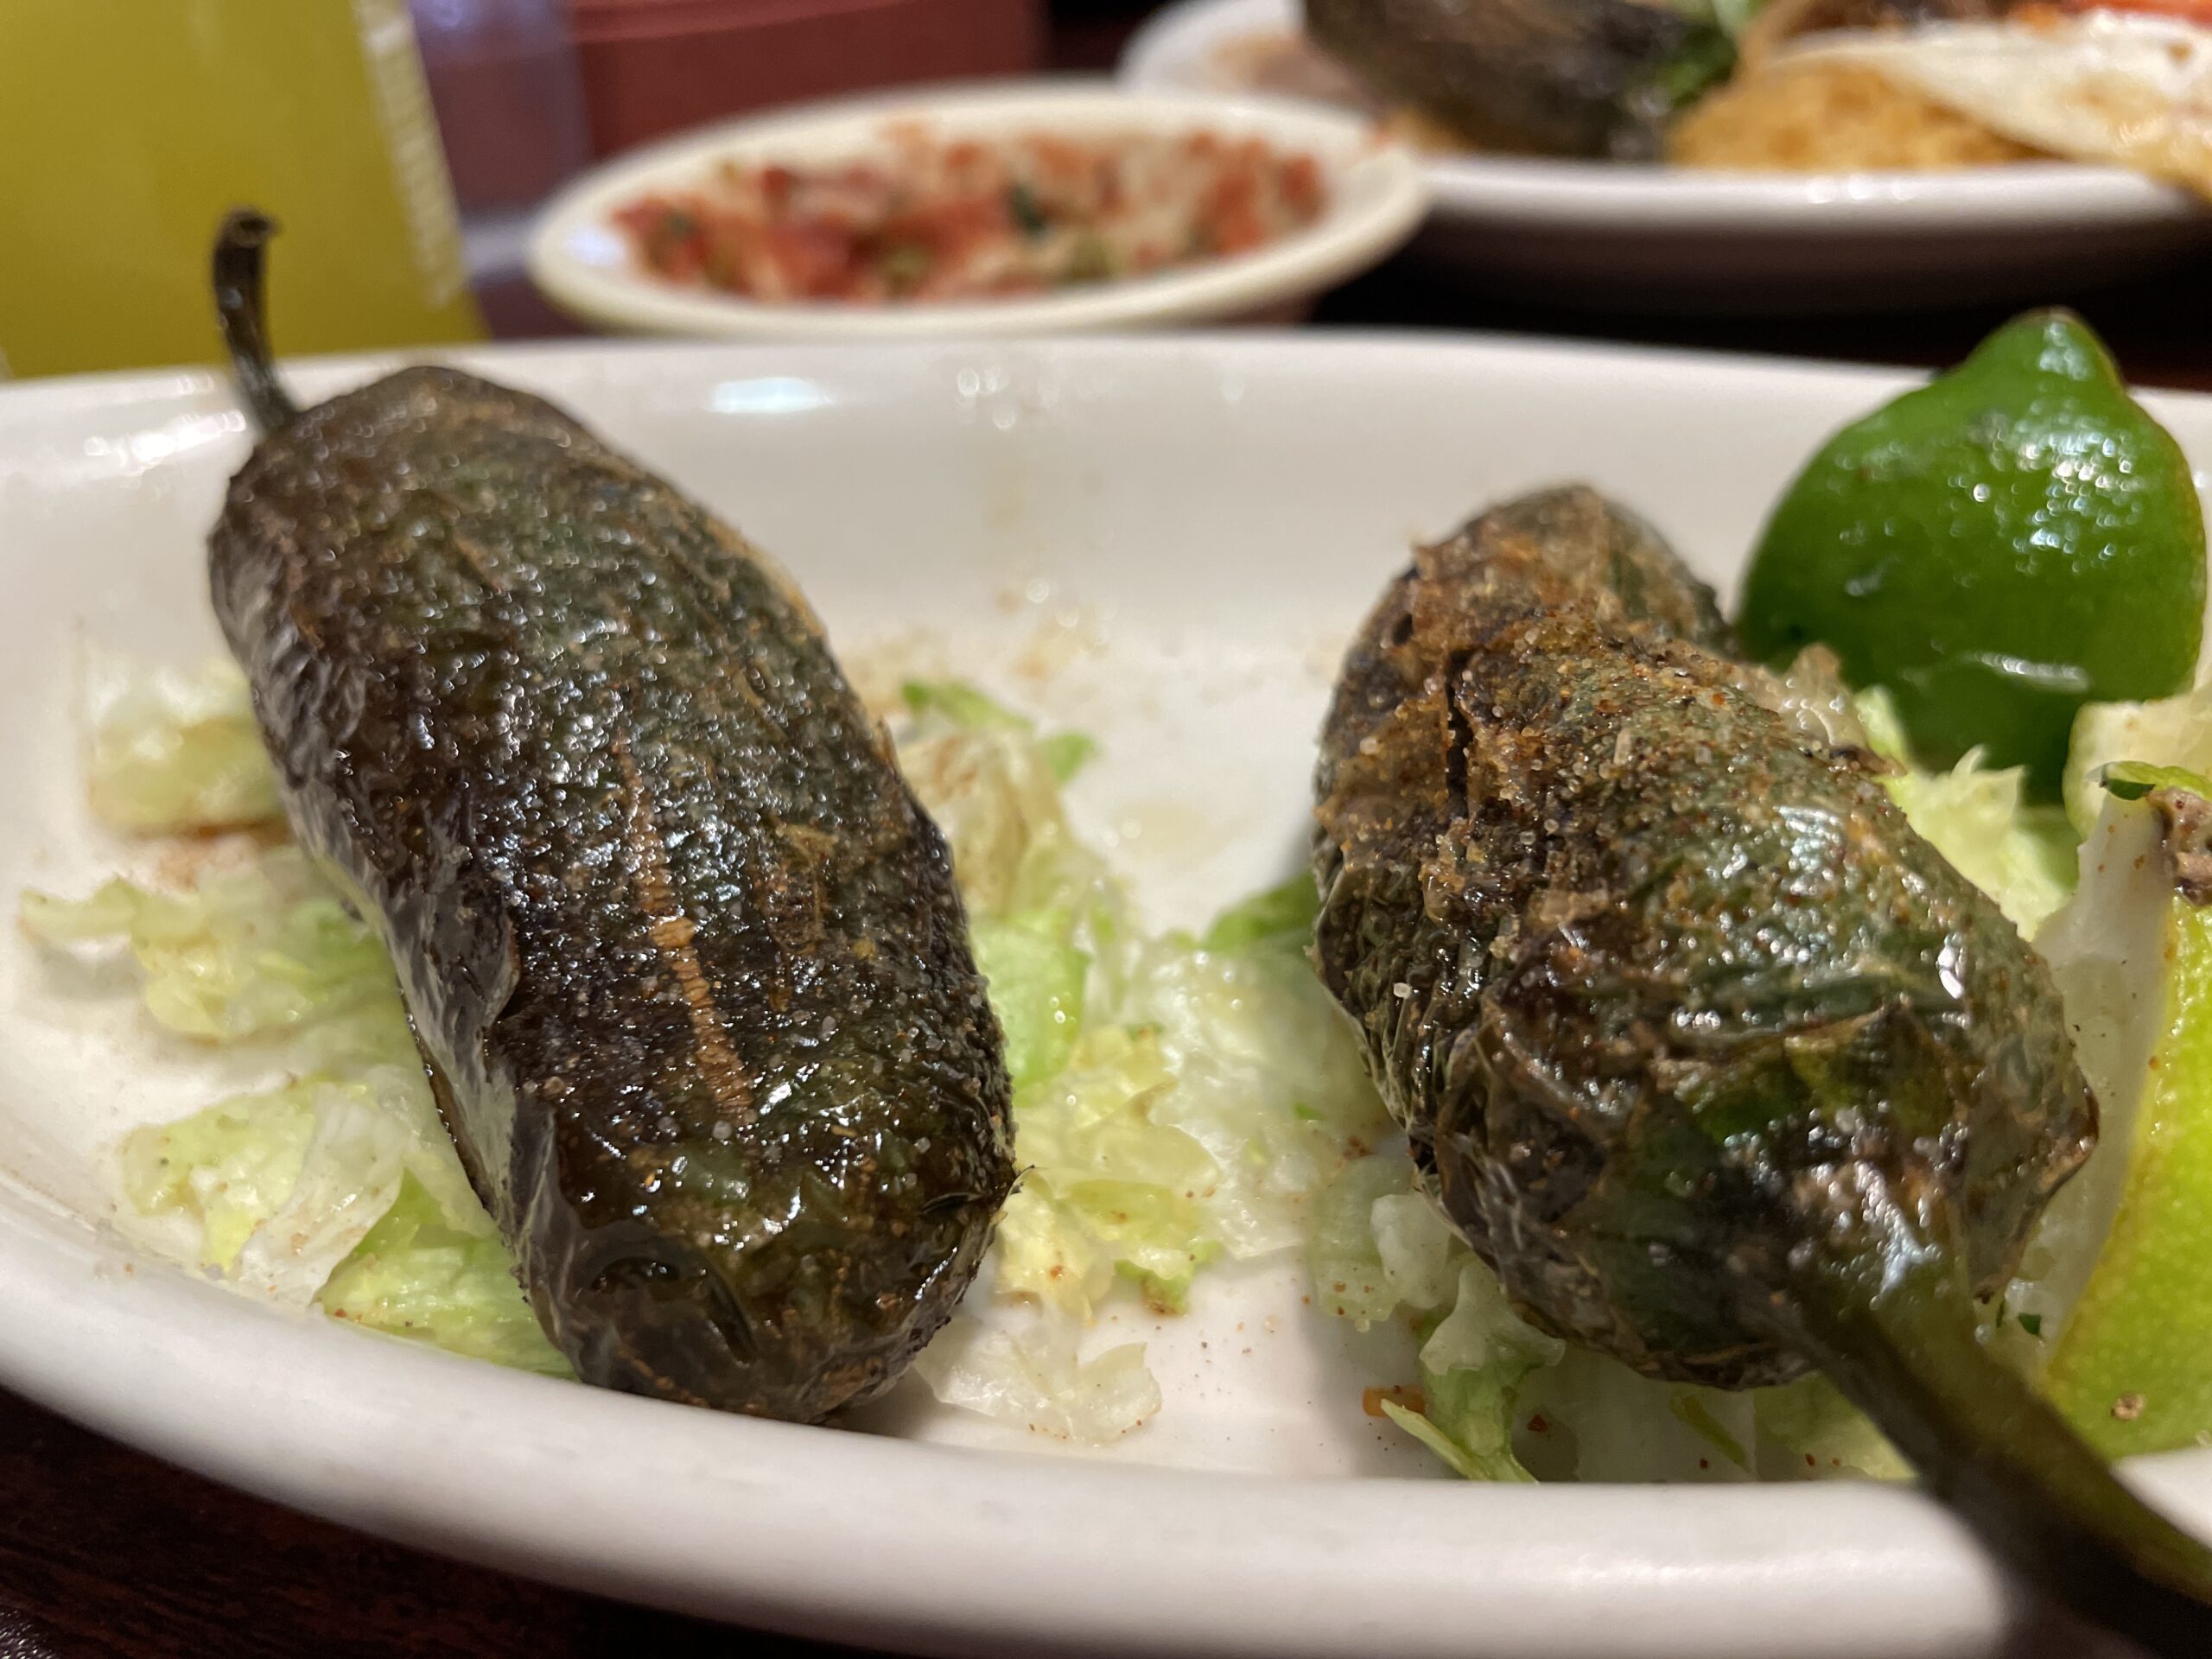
(1163, 542)
(1376, 200)
(1649, 238)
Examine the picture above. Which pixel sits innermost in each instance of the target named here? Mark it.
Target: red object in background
(656, 66)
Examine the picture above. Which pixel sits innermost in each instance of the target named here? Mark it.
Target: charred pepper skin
(1724, 1070)
(682, 951)
(1650, 978)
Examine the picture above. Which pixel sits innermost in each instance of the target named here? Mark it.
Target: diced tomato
(1301, 187)
(1230, 221)
(933, 220)
(814, 259)
(777, 184)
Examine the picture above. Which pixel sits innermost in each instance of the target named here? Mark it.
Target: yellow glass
(129, 127)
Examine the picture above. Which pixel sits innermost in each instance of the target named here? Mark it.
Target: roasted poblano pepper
(1718, 1063)
(683, 953)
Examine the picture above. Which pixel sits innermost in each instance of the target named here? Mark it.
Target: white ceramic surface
(1675, 238)
(1376, 199)
(1164, 542)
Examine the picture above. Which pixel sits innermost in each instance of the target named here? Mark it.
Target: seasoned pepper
(1718, 1063)
(683, 954)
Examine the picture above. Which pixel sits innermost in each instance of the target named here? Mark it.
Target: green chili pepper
(1726, 1070)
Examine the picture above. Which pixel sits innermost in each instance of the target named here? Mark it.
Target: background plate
(1652, 239)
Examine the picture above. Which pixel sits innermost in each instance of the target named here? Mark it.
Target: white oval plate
(1646, 237)
(1376, 200)
(1164, 543)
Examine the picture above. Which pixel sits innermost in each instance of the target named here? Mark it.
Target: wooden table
(108, 1555)
(2160, 328)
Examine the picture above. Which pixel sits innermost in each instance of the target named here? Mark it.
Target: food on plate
(2127, 86)
(681, 950)
(1815, 115)
(1726, 1070)
(927, 217)
(1994, 550)
(1555, 77)
(1185, 1102)
(1179, 1100)
(1792, 86)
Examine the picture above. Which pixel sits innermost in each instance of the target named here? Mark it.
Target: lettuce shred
(175, 750)
(338, 1185)
(2172, 732)
(290, 1186)
(2020, 853)
(1177, 1101)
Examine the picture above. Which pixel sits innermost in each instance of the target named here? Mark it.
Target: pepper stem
(240, 305)
(1991, 1448)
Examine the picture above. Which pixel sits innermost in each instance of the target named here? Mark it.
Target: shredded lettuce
(1472, 1367)
(173, 751)
(424, 1274)
(2170, 732)
(1177, 1100)
(1378, 1248)
(1277, 915)
(2130, 780)
(961, 707)
(1037, 976)
(1817, 1434)
(229, 1168)
(2020, 854)
(1108, 1189)
(994, 788)
(341, 1186)
(1036, 1379)
(258, 948)
(1356, 1275)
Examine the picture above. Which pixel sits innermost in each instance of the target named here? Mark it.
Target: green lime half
(1997, 548)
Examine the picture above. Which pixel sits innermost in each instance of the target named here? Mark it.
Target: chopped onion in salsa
(935, 219)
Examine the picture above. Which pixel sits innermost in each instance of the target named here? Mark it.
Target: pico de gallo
(934, 218)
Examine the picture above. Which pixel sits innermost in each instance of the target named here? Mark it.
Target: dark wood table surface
(107, 1554)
